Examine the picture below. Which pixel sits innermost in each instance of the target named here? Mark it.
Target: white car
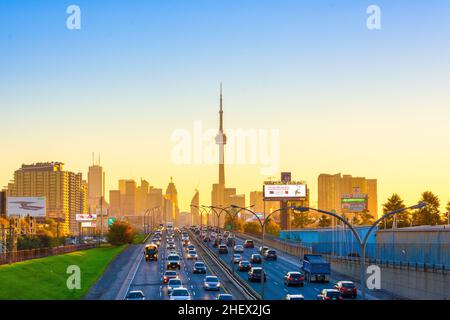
(192, 255)
(173, 284)
(237, 258)
(211, 283)
(180, 294)
(135, 295)
(238, 248)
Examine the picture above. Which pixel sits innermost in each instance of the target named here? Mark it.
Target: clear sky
(344, 98)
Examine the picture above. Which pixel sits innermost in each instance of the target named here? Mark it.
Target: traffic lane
(274, 288)
(288, 261)
(194, 282)
(147, 278)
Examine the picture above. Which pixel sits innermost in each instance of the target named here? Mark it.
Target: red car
(347, 289)
(249, 244)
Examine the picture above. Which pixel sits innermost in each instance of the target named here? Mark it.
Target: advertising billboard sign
(85, 217)
(284, 192)
(89, 224)
(24, 206)
(354, 203)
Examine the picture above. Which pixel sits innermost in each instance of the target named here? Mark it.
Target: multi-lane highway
(149, 275)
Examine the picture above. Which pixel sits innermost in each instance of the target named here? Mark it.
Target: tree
(324, 221)
(252, 227)
(237, 225)
(396, 203)
(301, 220)
(120, 233)
(272, 227)
(447, 213)
(428, 215)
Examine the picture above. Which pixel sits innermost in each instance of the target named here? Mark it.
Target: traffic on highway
(179, 264)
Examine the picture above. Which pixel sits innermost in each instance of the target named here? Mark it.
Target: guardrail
(23, 255)
(243, 287)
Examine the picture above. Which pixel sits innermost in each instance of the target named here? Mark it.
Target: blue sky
(140, 69)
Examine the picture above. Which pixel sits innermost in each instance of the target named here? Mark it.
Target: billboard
(89, 224)
(354, 203)
(24, 206)
(85, 217)
(284, 192)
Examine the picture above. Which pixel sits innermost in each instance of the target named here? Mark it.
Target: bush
(120, 233)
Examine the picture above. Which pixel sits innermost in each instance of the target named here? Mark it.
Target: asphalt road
(274, 288)
(148, 277)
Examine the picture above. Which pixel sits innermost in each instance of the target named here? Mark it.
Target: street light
(263, 227)
(362, 243)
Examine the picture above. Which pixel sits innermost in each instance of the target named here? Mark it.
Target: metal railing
(23, 255)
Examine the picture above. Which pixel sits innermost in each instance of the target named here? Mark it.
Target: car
(199, 267)
(192, 255)
(347, 289)
(238, 248)
(329, 294)
(244, 265)
(249, 244)
(173, 262)
(169, 275)
(206, 239)
(135, 295)
(255, 258)
(255, 274)
(225, 296)
(186, 243)
(174, 283)
(223, 249)
(236, 258)
(270, 255)
(180, 294)
(170, 246)
(261, 251)
(294, 278)
(190, 247)
(294, 297)
(211, 283)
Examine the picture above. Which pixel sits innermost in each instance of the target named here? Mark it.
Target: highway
(149, 274)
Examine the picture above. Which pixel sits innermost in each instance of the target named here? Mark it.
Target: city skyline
(337, 95)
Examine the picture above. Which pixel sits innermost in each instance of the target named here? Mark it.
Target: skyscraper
(195, 212)
(331, 189)
(173, 214)
(95, 186)
(64, 191)
(127, 190)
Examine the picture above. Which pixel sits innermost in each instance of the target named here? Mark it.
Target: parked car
(244, 265)
(347, 289)
(223, 249)
(211, 283)
(199, 267)
(249, 244)
(294, 278)
(329, 294)
(135, 295)
(255, 274)
(255, 258)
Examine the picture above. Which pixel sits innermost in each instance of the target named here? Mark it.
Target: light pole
(362, 243)
(263, 227)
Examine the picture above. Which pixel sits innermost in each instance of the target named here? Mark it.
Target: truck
(151, 252)
(315, 268)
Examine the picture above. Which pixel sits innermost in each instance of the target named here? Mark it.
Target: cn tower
(221, 140)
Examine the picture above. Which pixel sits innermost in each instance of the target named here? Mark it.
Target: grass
(45, 278)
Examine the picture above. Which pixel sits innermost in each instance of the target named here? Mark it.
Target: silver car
(180, 294)
(211, 283)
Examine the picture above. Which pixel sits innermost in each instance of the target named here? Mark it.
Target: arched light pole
(362, 243)
(263, 227)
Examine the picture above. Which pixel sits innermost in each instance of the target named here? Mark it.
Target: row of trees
(429, 215)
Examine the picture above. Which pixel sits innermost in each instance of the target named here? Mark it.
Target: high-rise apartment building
(127, 190)
(64, 191)
(331, 189)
